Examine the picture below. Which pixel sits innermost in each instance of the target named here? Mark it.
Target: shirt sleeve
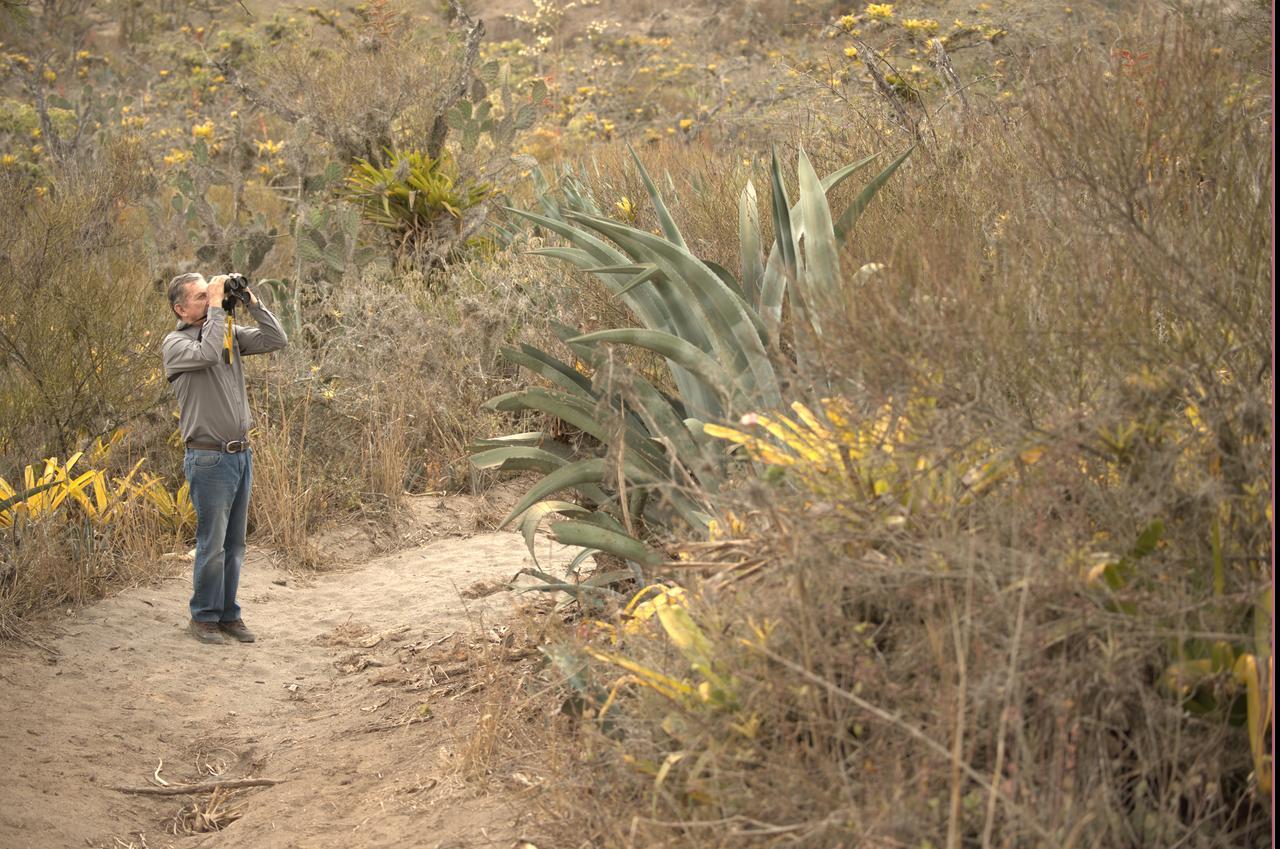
(268, 336)
(182, 354)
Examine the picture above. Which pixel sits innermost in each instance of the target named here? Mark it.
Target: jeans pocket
(205, 459)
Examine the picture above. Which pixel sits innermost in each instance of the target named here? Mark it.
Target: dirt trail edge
(357, 696)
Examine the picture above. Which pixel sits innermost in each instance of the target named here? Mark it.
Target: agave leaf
(850, 216)
(573, 256)
(517, 458)
(782, 233)
(664, 216)
(528, 437)
(821, 278)
(731, 331)
(778, 272)
(684, 354)
(578, 558)
(662, 420)
(726, 277)
(630, 268)
(656, 308)
(550, 584)
(835, 178)
(590, 471)
(646, 274)
(601, 519)
(563, 375)
(749, 245)
(580, 414)
(644, 302)
(575, 532)
(534, 515)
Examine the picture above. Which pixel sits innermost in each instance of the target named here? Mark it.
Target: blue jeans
(220, 493)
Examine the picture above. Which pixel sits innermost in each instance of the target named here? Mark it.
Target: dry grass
(69, 560)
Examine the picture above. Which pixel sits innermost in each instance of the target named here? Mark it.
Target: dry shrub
(78, 356)
(1088, 280)
(380, 84)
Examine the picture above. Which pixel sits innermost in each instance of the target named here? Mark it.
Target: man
(203, 364)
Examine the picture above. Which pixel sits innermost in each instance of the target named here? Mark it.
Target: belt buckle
(235, 446)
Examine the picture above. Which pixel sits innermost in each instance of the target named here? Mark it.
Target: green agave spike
(850, 216)
(664, 216)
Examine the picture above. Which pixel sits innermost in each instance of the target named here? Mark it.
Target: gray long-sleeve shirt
(212, 403)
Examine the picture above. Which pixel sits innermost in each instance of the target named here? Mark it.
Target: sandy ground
(359, 695)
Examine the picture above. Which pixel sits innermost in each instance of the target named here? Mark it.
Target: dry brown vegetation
(1076, 277)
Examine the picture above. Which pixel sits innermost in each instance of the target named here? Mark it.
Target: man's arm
(182, 354)
(268, 336)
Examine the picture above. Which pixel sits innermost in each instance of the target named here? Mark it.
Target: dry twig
(206, 787)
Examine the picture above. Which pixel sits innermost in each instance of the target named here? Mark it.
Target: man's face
(193, 308)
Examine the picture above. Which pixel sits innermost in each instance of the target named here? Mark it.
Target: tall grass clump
(1000, 575)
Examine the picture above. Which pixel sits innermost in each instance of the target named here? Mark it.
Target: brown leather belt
(235, 446)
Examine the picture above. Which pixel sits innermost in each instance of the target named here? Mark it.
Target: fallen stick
(207, 787)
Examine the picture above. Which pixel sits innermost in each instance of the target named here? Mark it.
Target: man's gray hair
(178, 286)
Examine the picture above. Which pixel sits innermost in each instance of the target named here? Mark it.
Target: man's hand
(216, 286)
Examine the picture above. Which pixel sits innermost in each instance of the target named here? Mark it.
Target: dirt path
(357, 694)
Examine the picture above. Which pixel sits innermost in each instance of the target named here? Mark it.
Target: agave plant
(718, 336)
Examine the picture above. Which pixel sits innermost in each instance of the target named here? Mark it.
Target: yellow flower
(177, 156)
(8, 160)
(163, 72)
(50, 76)
(82, 55)
(921, 26)
(686, 123)
(41, 191)
(851, 52)
(203, 131)
(880, 11)
(269, 147)
(847, 23)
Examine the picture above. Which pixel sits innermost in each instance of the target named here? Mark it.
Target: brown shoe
(206, 632)
(236, 629)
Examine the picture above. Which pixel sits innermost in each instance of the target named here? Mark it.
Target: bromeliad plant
(718, 335)
(418, 200)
